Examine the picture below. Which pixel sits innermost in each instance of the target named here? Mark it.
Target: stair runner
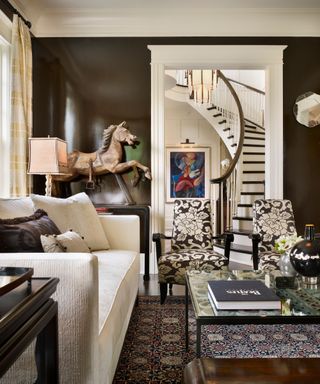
(252, 188)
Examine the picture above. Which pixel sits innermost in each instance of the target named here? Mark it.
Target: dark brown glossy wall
(81, 85)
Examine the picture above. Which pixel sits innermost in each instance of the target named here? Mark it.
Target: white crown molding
(217, 56)
(176, 22)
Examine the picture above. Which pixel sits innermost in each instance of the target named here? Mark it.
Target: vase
(305, 255)
(285, 265)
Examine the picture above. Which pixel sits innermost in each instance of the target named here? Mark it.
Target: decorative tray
(12, 277)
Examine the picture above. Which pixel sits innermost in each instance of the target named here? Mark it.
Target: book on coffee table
(242, 294)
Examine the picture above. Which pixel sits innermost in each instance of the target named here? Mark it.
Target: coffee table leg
(186, 318)
(46, 352)
(198, 350)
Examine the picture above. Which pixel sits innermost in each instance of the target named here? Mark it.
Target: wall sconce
(187, 142)
(47, 156)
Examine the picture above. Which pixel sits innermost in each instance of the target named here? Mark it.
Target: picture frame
(187, 173)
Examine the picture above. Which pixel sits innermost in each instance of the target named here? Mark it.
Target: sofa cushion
(15, 207)
(114, 265)
(69, 241)
(75, 212)
(22, 234)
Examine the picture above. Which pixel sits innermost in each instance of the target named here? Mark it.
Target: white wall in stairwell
(181, 122)
(254, 77)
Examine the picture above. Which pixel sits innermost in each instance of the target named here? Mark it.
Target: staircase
(246, 181)
(252, 188)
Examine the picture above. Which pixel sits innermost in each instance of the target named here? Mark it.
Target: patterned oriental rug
(154, 348)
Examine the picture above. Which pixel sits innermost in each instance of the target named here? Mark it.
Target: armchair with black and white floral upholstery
(272, 218)
(191, 244)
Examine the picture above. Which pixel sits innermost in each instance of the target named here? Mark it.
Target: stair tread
(254, 145)
(253, 193)
(253, 162)
(254, 138)
(253, 182)
(243, 232)
(235, 247)
(230, 137)
(260, 172)
(244, 205)
(247, 218)
(226, 129)
(210, 108)
(253, 153)
(255, 132)
(233, 145)
(252, 125)
(222, 121)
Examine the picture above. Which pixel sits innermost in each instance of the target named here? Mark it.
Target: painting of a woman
(187, 173)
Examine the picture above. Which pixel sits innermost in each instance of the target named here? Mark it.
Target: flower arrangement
(285, 243)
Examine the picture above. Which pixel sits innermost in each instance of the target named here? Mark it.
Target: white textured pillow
(69, 241)
(76, 212)
(16, 207)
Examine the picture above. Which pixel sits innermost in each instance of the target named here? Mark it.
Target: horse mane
(107, 135)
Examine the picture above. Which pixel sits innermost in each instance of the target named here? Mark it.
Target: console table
(143, 211)
(28, 312)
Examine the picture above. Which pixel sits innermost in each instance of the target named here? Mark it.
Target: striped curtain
(21, 108)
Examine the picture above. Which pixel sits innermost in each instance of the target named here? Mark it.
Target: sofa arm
(122, 231)
(77, 297)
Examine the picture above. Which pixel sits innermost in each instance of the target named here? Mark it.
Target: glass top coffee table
(300, 303)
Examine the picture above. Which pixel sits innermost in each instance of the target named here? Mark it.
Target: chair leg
(163, 292)
(170, 289)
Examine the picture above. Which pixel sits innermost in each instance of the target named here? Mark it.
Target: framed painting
(187, 173)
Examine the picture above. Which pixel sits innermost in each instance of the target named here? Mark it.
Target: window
(5, 34)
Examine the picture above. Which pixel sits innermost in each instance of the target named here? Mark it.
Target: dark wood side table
(252, 371)
(26, 313)
(143, 211)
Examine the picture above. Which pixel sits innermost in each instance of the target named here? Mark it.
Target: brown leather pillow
(22, 234)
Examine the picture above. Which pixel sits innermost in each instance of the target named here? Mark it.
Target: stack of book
(242, 294)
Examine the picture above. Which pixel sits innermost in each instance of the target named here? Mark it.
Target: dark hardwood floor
(151, 287)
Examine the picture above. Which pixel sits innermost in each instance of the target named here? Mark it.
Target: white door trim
(267, 57)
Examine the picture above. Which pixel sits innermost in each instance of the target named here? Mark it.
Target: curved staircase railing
(235, 118)
(229, 182)
(252, 101)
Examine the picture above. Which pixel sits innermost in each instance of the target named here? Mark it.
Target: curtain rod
(12, 9)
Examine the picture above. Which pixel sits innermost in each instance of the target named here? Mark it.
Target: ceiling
(172, 17)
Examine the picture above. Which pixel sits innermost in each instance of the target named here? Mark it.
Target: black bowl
(305, 258)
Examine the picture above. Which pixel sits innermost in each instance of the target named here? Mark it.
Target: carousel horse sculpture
(108, 158)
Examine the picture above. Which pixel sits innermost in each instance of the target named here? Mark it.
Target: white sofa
(95, 295)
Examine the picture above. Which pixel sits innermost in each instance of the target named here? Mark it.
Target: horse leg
(121, 167)
(136, 177)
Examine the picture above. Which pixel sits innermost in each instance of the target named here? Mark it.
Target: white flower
(285, 243)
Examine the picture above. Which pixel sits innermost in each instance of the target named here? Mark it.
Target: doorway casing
(266, 57)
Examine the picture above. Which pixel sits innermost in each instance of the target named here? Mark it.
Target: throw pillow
(22, 234)
(69, 241)
(76, 212)
(15, 207)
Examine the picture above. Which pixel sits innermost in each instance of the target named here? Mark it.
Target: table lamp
(47, 156)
